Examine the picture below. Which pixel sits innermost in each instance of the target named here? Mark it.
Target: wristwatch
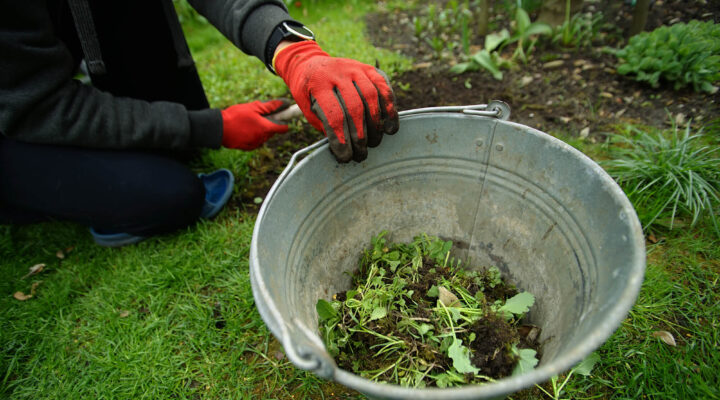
(292, 31)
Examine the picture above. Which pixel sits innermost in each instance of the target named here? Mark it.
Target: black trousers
(135, 192)
(114, 191)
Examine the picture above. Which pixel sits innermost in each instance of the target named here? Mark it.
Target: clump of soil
(417, 318)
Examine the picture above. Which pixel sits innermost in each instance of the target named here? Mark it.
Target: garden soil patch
(564, 93)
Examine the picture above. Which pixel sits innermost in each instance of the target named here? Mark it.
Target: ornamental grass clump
(671, 178)
(415, 317)
(682, 54)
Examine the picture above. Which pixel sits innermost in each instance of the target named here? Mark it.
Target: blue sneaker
(114, 239)
(218, 189)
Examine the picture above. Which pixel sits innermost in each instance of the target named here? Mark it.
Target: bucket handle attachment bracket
(496, 108)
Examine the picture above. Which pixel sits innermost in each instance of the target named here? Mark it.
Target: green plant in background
(668, 176)
(490, 57)
(683, 54)
(578, 31)
(444, 27)
(526, 33)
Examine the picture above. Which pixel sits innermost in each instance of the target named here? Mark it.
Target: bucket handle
(496, 108)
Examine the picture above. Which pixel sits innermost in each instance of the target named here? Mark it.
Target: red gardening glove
(246, 127)
(350, 101)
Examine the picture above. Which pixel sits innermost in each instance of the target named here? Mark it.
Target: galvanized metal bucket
(507, 195)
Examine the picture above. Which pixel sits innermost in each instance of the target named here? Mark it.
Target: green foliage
(667, 176)
(187, 14)
(578, 31)
(683, 54)
(517, 305)
(381, 309)
(490, 57)
(526, 360)
(583, 368)
(444, 27)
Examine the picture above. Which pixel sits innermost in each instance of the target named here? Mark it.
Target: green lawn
(174, 317)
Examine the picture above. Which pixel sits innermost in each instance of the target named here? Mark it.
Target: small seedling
(584, 368)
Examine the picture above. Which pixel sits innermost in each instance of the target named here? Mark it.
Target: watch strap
(279, 34)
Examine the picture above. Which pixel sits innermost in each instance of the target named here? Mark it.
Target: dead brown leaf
(21, 296)
(447, 297)
(60, 255)
(666, 337)
(124, 313)
(35, 269)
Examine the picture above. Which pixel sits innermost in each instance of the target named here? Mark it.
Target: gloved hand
(246, 126)
(350, 101)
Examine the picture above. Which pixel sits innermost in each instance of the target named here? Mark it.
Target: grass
(229, 76)
(668, 176)
(174, 317)
(679, 295)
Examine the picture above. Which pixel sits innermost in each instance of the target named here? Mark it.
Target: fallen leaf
(529, 332)
(447, 297)
(60, 255)
(652, 239)
(35, 269)
(21, 296)
(553, 64)
(585, 132)
(422, 65)
(279, 355)
(680, 118)
(526, 80)
(124, 313)
(666, 337)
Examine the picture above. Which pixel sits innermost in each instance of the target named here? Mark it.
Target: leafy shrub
(667, 179)
(684, 54)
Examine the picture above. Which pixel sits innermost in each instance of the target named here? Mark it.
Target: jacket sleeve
(40, 102)
(246, 23)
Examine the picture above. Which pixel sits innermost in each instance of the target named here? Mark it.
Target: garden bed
(567, 93)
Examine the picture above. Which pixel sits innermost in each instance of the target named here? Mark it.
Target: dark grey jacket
(40, 102)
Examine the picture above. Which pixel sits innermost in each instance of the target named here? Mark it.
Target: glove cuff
(295, 53)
